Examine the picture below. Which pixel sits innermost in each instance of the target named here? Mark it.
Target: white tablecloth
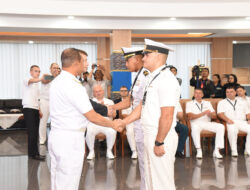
(6, 120)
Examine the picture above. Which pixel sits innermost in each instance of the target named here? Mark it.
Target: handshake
(118, 124)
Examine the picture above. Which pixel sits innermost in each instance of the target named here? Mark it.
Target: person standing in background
(174, 71)
(31, 111)
(44, 101)
(217, 86)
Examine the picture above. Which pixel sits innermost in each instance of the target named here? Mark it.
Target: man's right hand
(119, 125)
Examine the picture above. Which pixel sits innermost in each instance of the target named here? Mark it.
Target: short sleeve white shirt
(179, 109)
(31, 93)
(240, 111)
(164, 91)
(138, 88)
(196, 108)
(106, 102)
(246, 100)
(68, 102)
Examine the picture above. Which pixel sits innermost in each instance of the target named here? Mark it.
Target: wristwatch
(157, 143)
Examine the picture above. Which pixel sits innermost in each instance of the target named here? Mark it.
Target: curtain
(16, 59)
(184, 57)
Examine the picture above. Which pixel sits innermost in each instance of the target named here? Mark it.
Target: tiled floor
(17, 172)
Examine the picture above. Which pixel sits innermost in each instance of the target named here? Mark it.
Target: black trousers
(32, 120)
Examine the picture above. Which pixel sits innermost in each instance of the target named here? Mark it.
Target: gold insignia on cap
(145, 73)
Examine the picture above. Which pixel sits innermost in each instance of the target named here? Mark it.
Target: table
(7, 120)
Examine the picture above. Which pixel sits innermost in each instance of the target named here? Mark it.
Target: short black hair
(206, 69)
(198, 88)
(124, 87)
(33, 66)
(172, 67)
(231, 87)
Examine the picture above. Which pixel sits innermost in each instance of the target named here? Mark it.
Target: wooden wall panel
(120, 38)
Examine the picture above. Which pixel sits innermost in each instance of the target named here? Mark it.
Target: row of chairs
(185, 121)
(206, 133)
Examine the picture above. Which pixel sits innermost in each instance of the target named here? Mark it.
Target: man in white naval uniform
(200, 112)
(158, 118)
(44, 102)
(134, 63)
(93, 129)
(235, 113)
(70, 112)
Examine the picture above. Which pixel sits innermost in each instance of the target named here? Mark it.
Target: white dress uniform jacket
(68, 102)
(164, 91)
(236, 110)
(204, 123)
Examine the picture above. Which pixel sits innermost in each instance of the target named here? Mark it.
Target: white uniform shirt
(68, 102)
(87, 87)
(246, 100)
(31, 94)
(127, 111)
(138, 89)
(179, 109)
(196, 108)
(164, 91)
(45, 91)
(239, 113)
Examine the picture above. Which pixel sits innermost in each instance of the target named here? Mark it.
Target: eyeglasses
(123, 90)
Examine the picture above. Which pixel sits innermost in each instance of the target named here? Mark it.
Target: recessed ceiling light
(86, 42)
(247, 18)
(31, 42)
(172, 18)
(234, 42)
(71, 17)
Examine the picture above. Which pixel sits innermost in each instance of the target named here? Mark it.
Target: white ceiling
(224, 17)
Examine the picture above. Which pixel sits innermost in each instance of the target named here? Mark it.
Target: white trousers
(131, 136)
(159, 171)
(217, 128)
(93, 130)
(44, 108)
(139, 139)
(219, 181)
(66, 149)
(233, 130)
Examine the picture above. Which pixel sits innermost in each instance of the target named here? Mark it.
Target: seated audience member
(232, 81)
(217, 86)
(204, 83)
(200, 112)
(242, 95)
(93, 129)
(101, 76)
(182, 130)
(234, 112)
(174, 71)
(129, 128)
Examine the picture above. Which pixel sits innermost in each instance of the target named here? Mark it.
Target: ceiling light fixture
(71, 17)
(234, 42)
(31, 42)
(172, 18)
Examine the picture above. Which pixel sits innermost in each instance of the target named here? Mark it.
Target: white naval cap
(129, 52)
(153, 46)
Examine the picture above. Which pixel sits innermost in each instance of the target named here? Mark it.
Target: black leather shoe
(179, 155)
(38, 157)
